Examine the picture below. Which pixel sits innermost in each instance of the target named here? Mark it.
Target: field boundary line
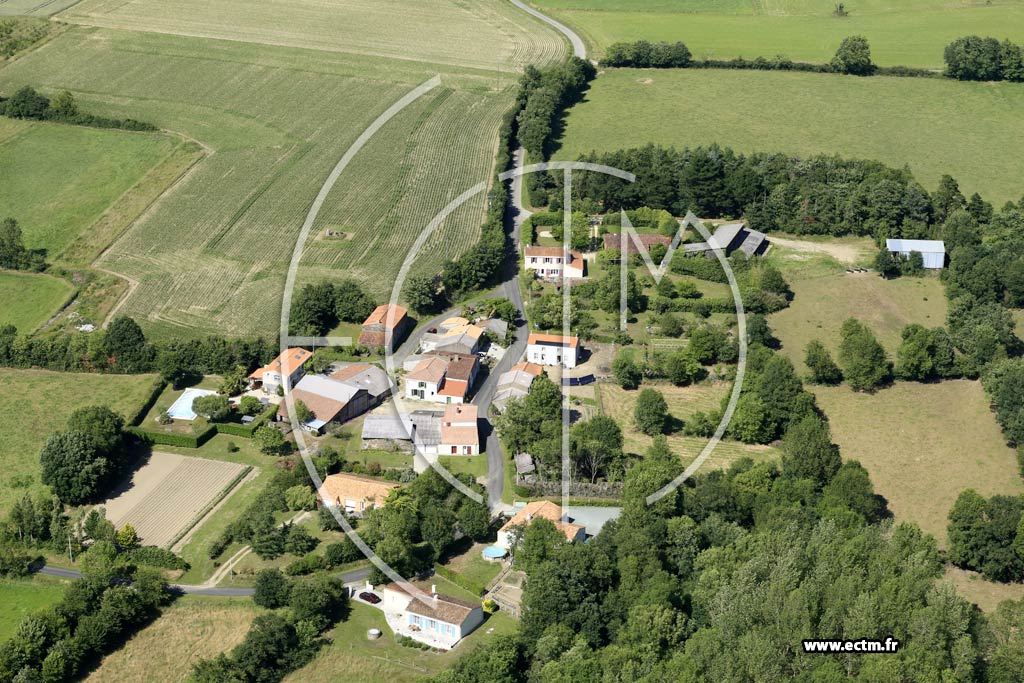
(245, 476)
(578, 48)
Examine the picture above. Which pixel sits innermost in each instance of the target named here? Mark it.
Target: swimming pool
(181, 409)
(493, 552)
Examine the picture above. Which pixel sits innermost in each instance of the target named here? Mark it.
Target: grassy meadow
(923, 444)
(969, 130)
(820, 306)
(58, 178)
(901, 32)
(21, 597)
(38, 402)
(30, 299)
(192, 628)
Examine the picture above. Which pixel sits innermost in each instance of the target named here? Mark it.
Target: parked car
(432, 330)
(371, 598)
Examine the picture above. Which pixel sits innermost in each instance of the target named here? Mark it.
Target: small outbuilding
(933, 252)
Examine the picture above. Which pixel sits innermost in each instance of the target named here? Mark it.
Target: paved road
(578, 48)
(357, 576)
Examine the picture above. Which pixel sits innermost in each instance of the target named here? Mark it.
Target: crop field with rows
(210, 255)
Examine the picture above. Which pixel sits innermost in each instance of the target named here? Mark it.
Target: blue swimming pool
(181, 409)
(493, 552)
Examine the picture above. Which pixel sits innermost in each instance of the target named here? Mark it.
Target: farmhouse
(441, 622)
(442, 379)
(459, 434)
(537, 509)
(290, 363)
(933, 252)
(552, 349)
(515, 383)
(730, 237)
(549, 262)
(353, 493)
(385, 327)
(346, 394)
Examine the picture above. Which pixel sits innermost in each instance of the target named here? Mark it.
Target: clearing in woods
(30, 299)
(36, 403)
(923, 444)
(192, 628)
(620, 404)
(210, 255)
(933, 126)
(901, 32)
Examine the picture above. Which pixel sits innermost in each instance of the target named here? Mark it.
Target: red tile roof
(286, 363)
(537, 338)
(380, 315)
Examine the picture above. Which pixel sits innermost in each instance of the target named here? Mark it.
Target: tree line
(27, 103)
(13, 253)
(973, 58)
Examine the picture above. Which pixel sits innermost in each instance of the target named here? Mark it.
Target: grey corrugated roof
(923, 246)
(524, 463)
(752, 242)
(725, 235)
(386, 426)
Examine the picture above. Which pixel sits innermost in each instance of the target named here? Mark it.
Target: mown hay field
(901, 32)
(36, 403)
(968, 130)
(923, 444)
(30, 299)
(58, 179)
(488, 34)
(192, 628)
(21, 597)
(210, 255)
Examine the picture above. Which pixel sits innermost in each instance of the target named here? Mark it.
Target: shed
(933, 252)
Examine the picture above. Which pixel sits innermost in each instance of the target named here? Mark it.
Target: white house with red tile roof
(574, 533)
(425, 380)
(444, 379)
(553, 349)
(459, 433)
(548, 262)
(290, 363)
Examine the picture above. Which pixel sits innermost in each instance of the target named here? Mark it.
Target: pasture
(30, 299)
(932, 126)
(33, 8)
(21, 597)
(901, 32)
(923, 444)
(820, 305)
(192, 628)
(58, 179)
(167, 494)
(210, 255)
(36, 403)
(619, 404)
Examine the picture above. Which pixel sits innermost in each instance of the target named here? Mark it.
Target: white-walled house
(553, 349)
(291, 363)
(441, 622)
(459, 433)
(425, 380)
(549, 262)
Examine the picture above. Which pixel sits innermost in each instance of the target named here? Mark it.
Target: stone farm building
(385, 327)
(542, 508)
(347, 393)
(353, 493)
(549, 262)
(458, 339)
(515, 383)
(553, 349)
(453, 432)
(933, 252)
(291, 363)
(441, 622)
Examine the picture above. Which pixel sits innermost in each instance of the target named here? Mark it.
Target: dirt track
(845, 253)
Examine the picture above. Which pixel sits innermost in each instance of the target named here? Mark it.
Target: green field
(33, 8)
(933, 126)
(901, 32)
(30, 299)
(38, 402)
(58, 179)
(211, 254)
(21, 597)
(923, 444)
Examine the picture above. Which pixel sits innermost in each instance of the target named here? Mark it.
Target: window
(432, 625)
(455, 450)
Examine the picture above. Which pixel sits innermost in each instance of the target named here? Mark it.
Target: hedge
(155, 556)
(158, 388)
(460, 581)
(181, 440)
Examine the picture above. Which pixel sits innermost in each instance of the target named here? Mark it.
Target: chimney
(433, 589)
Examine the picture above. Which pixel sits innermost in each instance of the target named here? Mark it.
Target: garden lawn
(820, 305)
(923, 444)
(36, 403)
(971, 131)
(21, 597)
(58, 179)
(30, 299)
(901, 32)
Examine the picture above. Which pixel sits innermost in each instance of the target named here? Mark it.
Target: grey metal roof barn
(933, 252)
